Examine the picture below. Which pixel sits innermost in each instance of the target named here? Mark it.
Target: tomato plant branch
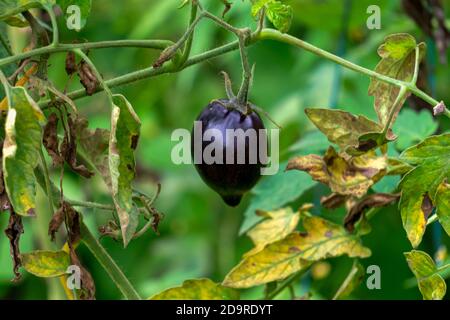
(188, 45)
(265, 34)
(287, 283)
(55, 30)
(108, 264)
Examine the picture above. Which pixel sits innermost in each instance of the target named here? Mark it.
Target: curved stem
(188, 45)
(55, 30)
(110, 266)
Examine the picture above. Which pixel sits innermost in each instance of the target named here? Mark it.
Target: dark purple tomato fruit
(239, 165)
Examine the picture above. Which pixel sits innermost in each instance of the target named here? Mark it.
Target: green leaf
(279, 14)
(84, 5)
(412, 127)
(274, 192)
(398, 61)
(443, 205)
(46, 264)
(125, 130)
(322, 239)
(431, 284)
(277, 225)
(353, 134)
(351, 282)
(431, 159)
(10, 8)
(352, 176)
(23, 139)
(198, 289)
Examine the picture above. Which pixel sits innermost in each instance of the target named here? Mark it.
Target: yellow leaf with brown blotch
(353, 176)
(279, 224)
(198, 289)
(322, 239)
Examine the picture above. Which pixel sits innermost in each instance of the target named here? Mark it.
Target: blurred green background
(200, 235)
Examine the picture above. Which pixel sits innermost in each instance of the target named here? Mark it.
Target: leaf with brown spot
(56, 222)
(352, 176)
(398, 57)
(277, 225)
(431, 162)
(13, 232)
(376, 200)
(125, 131)
(50, 139)
(353, 134)
(322, 239)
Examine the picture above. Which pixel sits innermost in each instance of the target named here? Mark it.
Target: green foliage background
(200, 235)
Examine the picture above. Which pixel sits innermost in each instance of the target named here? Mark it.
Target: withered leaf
(87, 78)
(71, 65)
(333, 201)
(69, 151)
(13, 232)
(50, 139)
(353, 176)
(371, 201)
(72, 218)
(87, 282)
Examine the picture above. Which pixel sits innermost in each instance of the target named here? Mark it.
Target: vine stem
(148, 44)
(55, 29)
(108, 264)
(265, 34)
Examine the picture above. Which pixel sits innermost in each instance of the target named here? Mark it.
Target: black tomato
(230, 177)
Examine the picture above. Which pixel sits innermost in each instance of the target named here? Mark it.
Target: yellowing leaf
(346, 177)
(46, 264)
(431, 284)
(443, 205)
(348, 131)
(125, 130)
(322, 239)
(278, 225)
(398, 61)
(198, 289)
(431, 159)
(279, 14)
(23, 138)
